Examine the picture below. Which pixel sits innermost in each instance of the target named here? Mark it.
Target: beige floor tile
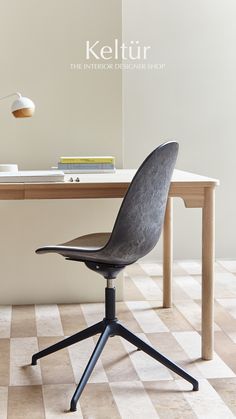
(168, 400)
(151, 269)
(226, 349)
(127, 318)
(178, 270)
(146, 317)
(21, 372)
(25, 403)
(72, 318)
(226, 388)
(177, 292)
(131, 292)
(191, 343)
(80, 354)
(167, 345)
(3, 402)
(56, 368)
(57, 399)
(4, 361)
(192, 267)
(190, 286)
(148, 287)
(232, 336)
(23, 321)
(191, 310)
(48, 320)
(206, 403)
(225, 285)
(5, 321)
(219, 267)
(93, 312)
(229, 304)
(117, 363)
(230, 265)
(225, 320)
(97, 402)
(148, 369)
(198, 278)
(171, 317)
(135, 269)
(133, 401)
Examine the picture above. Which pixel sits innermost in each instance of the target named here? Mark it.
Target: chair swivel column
(110, 300)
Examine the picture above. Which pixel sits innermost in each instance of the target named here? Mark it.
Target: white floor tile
(152, 269)
(56, 397)
(148, 369)
(206, 403)
(21, 372)
(191, 343)
(190, 286)
(80, 354)
(133, 401)
(3, 402)
(192, 267)
(192, 312)
(225, 285)
(5, 321)
(48, 320)
(230, 265)
(146, 317)
(148, 287)
(93, 313)
(229, 304)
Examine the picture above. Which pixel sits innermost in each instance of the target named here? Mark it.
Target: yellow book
(88, 159)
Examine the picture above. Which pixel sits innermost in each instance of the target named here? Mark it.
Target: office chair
(136, 231)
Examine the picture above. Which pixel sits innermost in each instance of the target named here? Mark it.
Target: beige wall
(192, 100)
(77, 113)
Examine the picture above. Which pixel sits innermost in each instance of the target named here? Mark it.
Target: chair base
(109, 328)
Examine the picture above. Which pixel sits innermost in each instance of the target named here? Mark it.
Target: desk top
(102, 185)
(126, 175)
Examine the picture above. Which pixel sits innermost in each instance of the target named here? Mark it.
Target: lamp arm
(12, 94)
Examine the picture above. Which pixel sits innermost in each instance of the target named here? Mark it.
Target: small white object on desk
(28, 176)
(8, 168)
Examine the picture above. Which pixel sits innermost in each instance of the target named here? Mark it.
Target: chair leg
(90, 366)
(139, 343)
(84, 334)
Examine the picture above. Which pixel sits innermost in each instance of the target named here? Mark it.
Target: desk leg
(208, 256)
(167, 255)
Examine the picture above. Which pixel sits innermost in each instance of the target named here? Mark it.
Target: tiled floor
(125, 383)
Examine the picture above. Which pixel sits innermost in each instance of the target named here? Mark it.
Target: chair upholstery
(140, 219)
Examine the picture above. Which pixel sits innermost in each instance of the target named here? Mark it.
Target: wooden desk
(196, 192)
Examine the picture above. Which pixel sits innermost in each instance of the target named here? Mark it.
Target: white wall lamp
(22, 107)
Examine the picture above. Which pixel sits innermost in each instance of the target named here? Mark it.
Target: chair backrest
(141, 216)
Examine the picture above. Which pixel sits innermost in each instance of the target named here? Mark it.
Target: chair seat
(83, 248)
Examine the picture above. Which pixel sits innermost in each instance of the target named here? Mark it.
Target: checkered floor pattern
(125, 383)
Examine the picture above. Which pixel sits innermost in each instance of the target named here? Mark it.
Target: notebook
(28, 176)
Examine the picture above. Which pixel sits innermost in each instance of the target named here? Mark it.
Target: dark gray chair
(136, 231)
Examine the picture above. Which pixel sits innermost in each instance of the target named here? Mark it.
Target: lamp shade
(23, 107)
